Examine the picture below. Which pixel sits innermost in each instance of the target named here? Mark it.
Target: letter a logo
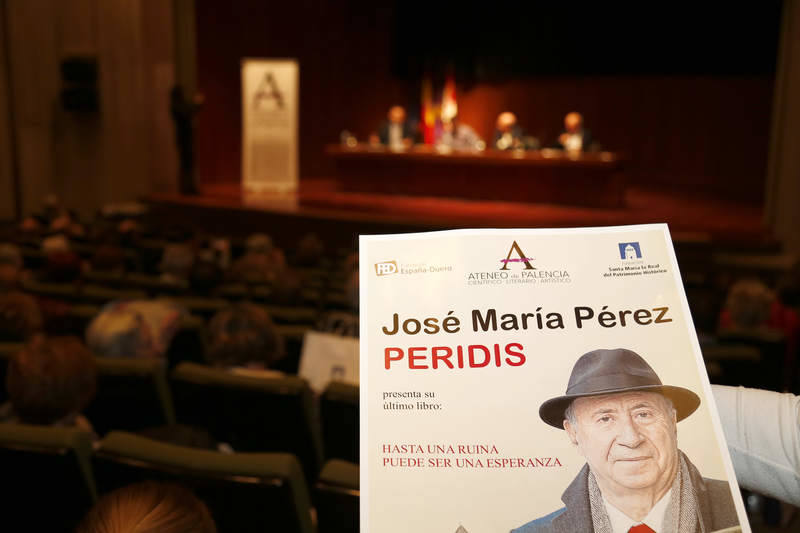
(521, 259)
(267, 94)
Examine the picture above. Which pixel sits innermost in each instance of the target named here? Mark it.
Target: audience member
(149, 507)
(752, 305)
(575, 137)
(221, 247)
(63, 267)
(129, 232)
(309, 251)
(50, 381)
(261, 263)
(397, 132)
(108, 258)
(137, 328)
(206, 273)
(176, 262)
(55, 243)
(65, 224)
(20, 317)
(30, 228)
(244, 339)
(11, 266)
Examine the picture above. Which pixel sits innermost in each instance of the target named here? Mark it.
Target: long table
(546, 176)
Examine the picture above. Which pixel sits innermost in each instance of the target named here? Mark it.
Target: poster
(270, 124)
(473, 345)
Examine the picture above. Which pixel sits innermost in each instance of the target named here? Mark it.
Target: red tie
(641, 528)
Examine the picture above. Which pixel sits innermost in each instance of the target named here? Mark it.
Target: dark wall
(344, 73)
(706, 131)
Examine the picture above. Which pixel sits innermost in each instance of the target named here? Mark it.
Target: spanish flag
(449, 104)
(428, 112)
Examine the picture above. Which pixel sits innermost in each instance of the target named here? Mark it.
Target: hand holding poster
(535, 380)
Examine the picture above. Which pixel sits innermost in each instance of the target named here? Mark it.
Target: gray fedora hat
(602, 372)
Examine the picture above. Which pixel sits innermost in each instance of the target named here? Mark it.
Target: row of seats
(53, 476)
(248, 413)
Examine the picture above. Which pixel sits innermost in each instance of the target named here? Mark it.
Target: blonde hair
(120, 331)
(149, 507)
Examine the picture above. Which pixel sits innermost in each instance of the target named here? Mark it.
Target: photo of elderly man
(623, 421)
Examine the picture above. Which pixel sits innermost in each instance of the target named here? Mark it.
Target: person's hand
(563, 138)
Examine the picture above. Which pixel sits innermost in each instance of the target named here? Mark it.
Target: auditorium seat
(132, 394)
(337, 300)
(108, 279)
(73, 321)
(187, 344)
(339, 414)
(339, 323)
(55, 291)
(233, 291)
(7, 350)
(245, 492)
(293, 337)
(154, 285)
(336, 495)
(732, 364)
(284, 314)
(252, 414)
(99, 295)
(33, 259)
(203, 307)
(46, 477)
(771, 344)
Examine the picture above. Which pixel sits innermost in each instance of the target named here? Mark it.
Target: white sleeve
(763, 433)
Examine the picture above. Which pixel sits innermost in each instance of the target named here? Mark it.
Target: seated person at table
(397, 132)
(455, 135)
(244, 340)
(137, 328)
(575, 138)
(50, 381)
(508, 135)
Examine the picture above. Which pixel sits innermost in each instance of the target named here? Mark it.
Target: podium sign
(270, 102)
(515, 380)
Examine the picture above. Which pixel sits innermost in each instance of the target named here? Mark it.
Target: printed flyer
(535, 381)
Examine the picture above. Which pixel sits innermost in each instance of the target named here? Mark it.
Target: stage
(339, 216)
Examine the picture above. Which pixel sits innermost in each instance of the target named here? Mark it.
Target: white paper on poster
(327, 357)
(465, 334)
(270, 102)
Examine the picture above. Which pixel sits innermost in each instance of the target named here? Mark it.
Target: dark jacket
(588, 143)
(409, 131)
(713, 498)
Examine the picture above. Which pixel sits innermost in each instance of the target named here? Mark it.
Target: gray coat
(713, 498)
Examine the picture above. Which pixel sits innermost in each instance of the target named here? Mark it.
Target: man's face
(397, 114)
(572, 122)
(630, 440)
